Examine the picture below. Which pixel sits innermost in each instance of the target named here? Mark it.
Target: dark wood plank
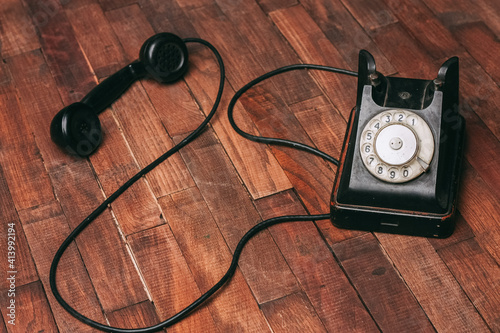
(73, 280)
(310, 175)
(3, 329)
(208, 257)
(479, 275)
(105, 254)
(31, 312)
(379, 285)
(416, 17)
(436, 290)
(134, 316)
(479, 91)
(95, 37)
(168, 278)
(235, 214)
(68, 64)
(17, 34)
(313, 46)
(480, 208)
(345, 32)
(272, 5)
(372, 15)
(17, 260)
(481, 43)
(115, 4)
(323, 281)
(293, 313)
(39, 101)
(270, 52)
(25, 174)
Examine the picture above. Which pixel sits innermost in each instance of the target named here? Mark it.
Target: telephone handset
(400, 163)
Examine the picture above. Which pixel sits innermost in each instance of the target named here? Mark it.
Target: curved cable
(277, 141)
(102, 207)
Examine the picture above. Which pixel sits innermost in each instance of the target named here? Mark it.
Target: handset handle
(108, 91)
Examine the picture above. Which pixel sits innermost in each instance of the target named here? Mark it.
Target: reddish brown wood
(481, 43)
(95, 37)
(377, 282)
(344, 32)
(74, 282)
(25, 174)
(371, 15)
(168, 277)
(17, 34)
(105, 254)
(31, 310)
(315, 267)
(438, 293)
(208, 257)
(18, 258)
(293, 313)
(134, 316)
(479, 275)
(417, 17)
(235, 215)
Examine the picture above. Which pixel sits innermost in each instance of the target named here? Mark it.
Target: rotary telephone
(399, 167)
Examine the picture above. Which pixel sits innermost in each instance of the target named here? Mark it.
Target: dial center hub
(396, 144)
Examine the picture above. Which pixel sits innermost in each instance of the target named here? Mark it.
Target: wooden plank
(168, 16)
(17, 34)
(13, 242)
(95, 37)
(372, 15)
(148, 140)
(39, 101)
(416, 17)
(31, 310)
(3, 329)
(262, 174)
(115, 4)
(404, 53)
(481, 209)
(136, 209)
(73, 280)
(134, 316)
(270, 52)
(345, 32)
(25, 174)
(323, 124)
(272, 5)
(436, 290)
(168, 278)
(323, 281)
(235, 214)
(104, 251)
(293, 313)
(312, 46)
(459, 12)
(379, 285)
(479, 91)
(311, 176)
(481, 43)
(479, 276)
(208, 257)
(67, 62)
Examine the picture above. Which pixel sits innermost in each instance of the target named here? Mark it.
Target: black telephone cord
(243, 241)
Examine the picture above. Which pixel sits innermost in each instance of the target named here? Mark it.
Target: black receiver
(400, 163)
(77, 129)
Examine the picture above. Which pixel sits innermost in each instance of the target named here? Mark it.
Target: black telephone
(400, 163)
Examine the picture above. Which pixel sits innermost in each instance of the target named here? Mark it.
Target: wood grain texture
(171, 236)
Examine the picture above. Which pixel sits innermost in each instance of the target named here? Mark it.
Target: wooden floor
(171, 236)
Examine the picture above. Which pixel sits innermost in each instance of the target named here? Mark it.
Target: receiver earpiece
(76, 128)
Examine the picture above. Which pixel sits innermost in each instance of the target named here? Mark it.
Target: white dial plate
(396, 146)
